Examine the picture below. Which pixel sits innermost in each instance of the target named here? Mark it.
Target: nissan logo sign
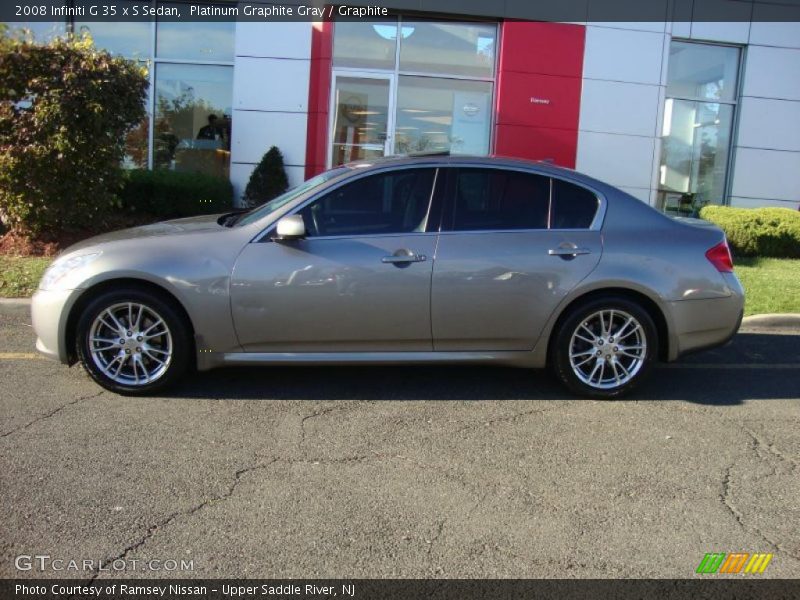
(471, 109)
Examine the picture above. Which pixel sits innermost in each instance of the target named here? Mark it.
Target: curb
(773, 321)
(15, 306)
(18, 306)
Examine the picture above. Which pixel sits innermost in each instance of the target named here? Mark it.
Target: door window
(391, 202)
(573, 207)
(494, 199)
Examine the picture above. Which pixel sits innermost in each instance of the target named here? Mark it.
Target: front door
(360, 117)
(513, 244)
(359, 281)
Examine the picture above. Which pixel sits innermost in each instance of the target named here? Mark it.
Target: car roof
(445, 158)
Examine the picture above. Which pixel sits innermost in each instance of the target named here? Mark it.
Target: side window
(574, 207)
(391, 202)
(494, 199)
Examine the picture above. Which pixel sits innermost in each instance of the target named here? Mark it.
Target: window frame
(449, 202)
(734, 104)
(152, 62)
(396, 72)
(433, 220)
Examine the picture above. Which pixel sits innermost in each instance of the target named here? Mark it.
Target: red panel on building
(541, 100)
(539, 91)
(547, 48)
(319, 91)
(537, 143)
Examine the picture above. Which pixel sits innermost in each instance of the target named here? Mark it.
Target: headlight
(57, 272)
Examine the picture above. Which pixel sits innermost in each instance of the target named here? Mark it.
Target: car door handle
(568, 251)
(403, 259)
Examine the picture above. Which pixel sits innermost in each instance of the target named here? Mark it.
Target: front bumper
(49, 313)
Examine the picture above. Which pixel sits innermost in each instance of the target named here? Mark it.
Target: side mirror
(290, 228)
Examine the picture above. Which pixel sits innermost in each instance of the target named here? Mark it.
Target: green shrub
(65, 108)
(268, 180)
(173, 194)
(758, 231)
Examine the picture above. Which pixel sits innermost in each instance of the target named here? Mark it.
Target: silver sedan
(417, 260)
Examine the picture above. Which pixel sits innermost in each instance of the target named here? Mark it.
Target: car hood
(173, 227)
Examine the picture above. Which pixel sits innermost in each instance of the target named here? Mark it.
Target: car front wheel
(132, 341)
(605, 348)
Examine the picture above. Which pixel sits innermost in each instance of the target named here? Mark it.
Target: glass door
(361, 117)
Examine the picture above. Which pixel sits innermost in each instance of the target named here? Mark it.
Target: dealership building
(677, 113)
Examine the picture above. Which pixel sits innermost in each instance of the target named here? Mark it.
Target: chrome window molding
(596, 225)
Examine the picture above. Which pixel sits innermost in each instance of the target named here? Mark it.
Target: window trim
(153, 60)
(734, 104)
(266, 234)
(395, 73)
(595, 225)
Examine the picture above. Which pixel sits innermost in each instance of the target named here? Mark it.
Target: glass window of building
(698, 122)
(189, 106)
(131, 40)
(195, 41)
(192, 129)
(411, 86)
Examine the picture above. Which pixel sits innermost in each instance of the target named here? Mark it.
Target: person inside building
(208, 132)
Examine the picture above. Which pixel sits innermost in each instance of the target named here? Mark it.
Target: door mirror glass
(290, 228)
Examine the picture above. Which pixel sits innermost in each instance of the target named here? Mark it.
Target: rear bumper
(704, 324)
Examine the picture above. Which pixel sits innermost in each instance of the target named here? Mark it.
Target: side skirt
(516, 358)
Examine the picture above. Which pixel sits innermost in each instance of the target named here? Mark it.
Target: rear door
(512, 246)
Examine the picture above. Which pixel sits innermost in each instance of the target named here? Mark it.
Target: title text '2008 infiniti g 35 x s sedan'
(411, 260)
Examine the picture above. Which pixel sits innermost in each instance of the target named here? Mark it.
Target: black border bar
(785, 11)
(708, 587)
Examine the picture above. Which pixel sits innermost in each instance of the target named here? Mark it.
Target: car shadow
(754, 366)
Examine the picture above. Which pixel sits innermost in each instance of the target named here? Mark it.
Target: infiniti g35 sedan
(434, 259)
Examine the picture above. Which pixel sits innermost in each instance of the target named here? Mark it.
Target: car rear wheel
(132, 341)
(604, 348)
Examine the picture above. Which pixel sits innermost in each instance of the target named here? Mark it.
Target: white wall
(270, 97)
(767, 152)
(622, 100)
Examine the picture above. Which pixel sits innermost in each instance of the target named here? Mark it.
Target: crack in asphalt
(153, 529)
(504, 419)
(725, 498)
(759, 443)
(320, 413)
(52, 413)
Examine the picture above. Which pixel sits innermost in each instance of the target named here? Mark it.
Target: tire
(120, 347)
(585, 357)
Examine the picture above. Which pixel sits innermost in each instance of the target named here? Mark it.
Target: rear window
(573, 207)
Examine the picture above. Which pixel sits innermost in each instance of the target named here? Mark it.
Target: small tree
(65, 108)
(268, 180)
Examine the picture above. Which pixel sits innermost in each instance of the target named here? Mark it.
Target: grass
(20, 275)
(772, 285)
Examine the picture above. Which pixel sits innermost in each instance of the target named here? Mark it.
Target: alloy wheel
(607, 349)
(130, 343)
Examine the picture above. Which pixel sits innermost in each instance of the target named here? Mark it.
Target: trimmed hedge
(172, 194)
(758, 231)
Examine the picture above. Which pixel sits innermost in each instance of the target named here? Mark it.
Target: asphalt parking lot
(404, 471)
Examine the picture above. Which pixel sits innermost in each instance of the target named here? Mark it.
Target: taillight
(720, 257)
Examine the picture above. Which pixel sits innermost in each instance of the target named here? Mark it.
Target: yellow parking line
(20, 356)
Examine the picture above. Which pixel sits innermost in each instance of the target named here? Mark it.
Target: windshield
(259, 212)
